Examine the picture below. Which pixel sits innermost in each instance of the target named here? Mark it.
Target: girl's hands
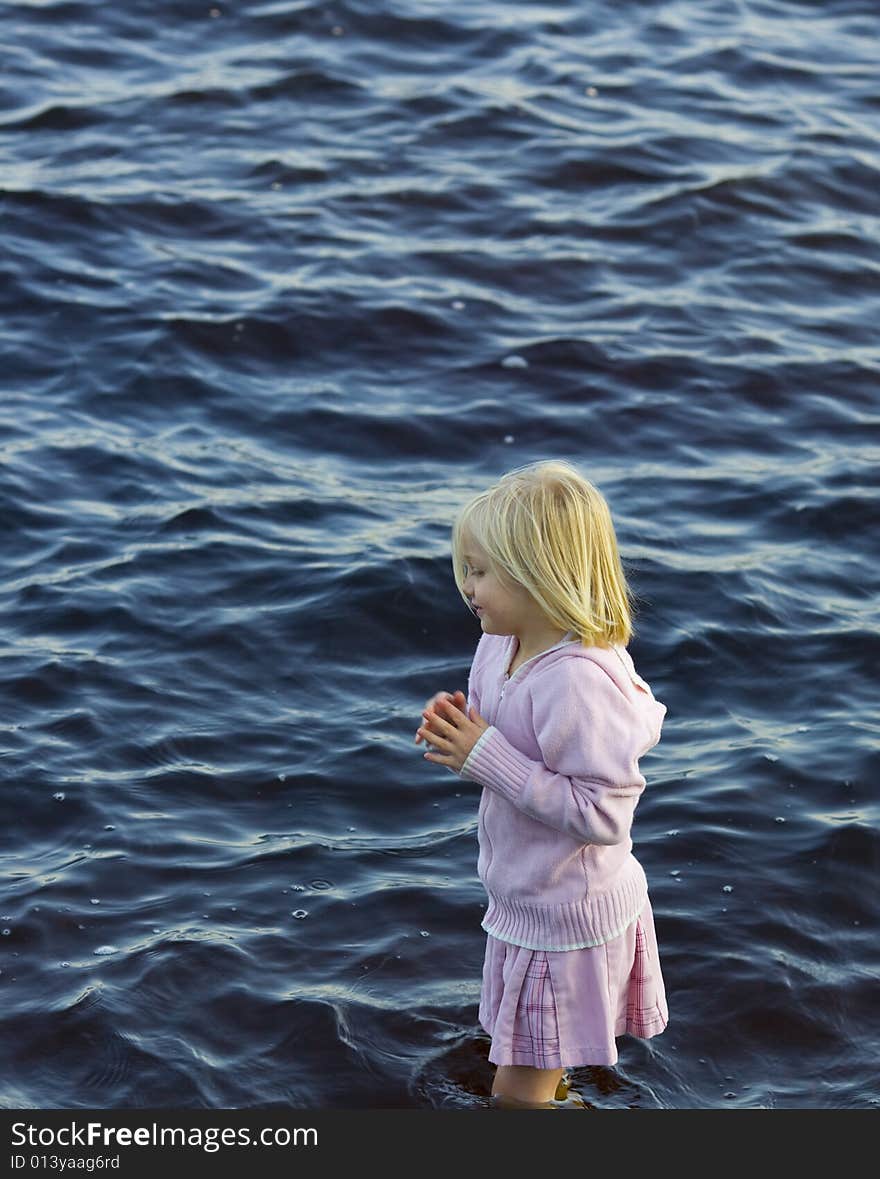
(452, 731)
(458, 699)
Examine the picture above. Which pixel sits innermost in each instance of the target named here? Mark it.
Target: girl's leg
(521, 1084)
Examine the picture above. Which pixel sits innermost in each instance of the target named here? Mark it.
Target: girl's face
(502, 608)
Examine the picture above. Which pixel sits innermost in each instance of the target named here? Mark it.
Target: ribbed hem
(591, 921)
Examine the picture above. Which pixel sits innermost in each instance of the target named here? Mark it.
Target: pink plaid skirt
(564, 1008)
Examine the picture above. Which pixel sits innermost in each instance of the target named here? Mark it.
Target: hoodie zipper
(508, 678)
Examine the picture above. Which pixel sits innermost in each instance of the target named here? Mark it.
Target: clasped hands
(451, 728)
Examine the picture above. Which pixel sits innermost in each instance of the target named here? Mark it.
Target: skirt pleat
(564, 1008)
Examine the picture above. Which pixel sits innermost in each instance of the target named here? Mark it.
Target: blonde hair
(547, 528)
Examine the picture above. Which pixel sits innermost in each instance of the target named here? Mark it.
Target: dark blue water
(284, 284)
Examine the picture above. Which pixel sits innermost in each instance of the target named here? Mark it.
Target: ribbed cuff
(494, 762)
(465, 771)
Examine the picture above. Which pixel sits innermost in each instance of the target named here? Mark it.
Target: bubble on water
(109, 827)
(508, 438)
(298, 887)
(727, 888)
(103, 950)
(514, 362)
(779, 819)
(299, 914)
(675, 872)
(60, 796)
(320, 884)
(6, 932)
(63, 963)
(424, 933)
(95, 901)
(770, 757)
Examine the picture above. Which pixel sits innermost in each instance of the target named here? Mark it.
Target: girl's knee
(517, 1086)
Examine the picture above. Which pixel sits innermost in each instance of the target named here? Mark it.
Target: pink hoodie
(559, 767)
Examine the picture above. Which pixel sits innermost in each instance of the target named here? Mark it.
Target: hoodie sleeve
(591, 735)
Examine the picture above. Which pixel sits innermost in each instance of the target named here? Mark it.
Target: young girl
(553, 726)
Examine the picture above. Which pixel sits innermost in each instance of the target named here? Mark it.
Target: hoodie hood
(615, 661)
